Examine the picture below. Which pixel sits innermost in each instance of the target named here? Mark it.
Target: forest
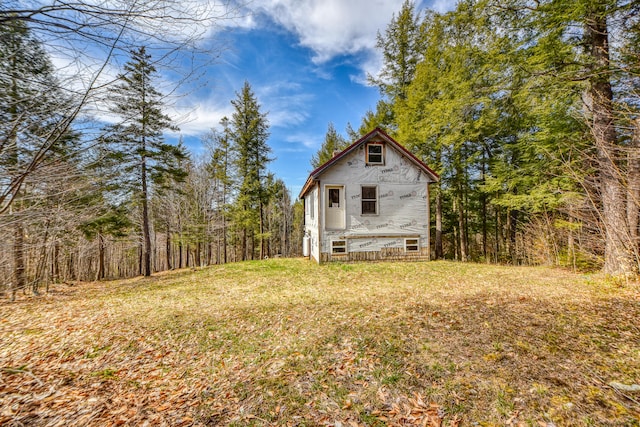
(528, 111)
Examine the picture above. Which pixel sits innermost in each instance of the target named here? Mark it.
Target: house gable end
(373, 156)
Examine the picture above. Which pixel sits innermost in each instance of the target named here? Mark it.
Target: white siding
(311, 222)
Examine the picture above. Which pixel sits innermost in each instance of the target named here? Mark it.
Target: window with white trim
(338, 246)
(334, 198)
(375, 154)
(411, 245)
(369, 198)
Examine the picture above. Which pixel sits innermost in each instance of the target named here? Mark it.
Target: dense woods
(527, 110)
(529, 113)
(105, 200)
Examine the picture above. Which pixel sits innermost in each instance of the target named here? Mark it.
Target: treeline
(529, 113)
(84, 201)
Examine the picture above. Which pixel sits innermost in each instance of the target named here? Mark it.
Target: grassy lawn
(287, 342)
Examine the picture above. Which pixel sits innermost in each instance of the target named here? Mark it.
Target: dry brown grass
(287, 342)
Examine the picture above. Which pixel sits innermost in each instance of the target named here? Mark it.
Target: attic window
(375, 154)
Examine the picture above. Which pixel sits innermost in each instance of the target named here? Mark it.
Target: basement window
(339, 247)
(375, 154)
(411, 245)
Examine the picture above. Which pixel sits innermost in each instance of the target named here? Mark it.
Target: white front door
(334, 207)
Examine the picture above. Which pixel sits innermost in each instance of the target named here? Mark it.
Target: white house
(369, 202)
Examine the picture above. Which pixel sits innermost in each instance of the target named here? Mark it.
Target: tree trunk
(55, 263)
(439, 250)
(512, 226)
(244, 244)
(146, 232)
(571, 248)
(456, 235)
(262, 239)
(168, 248)
(483, 203)
(463, 231)
(140, 259)
(41, 269)
(101, 272)
(633, 190)
(618, 258)
(498, 234)
(71, 268)
(224, 237)
(18, 259)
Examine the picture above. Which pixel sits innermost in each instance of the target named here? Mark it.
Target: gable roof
(316, 173)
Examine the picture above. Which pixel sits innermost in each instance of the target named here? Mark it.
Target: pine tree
(402, 47)
(33, 131)
(219, 168)
(137, 142)
(32, 109)
(333, 142)
(569, 42)
(249, 133)
(446, 115)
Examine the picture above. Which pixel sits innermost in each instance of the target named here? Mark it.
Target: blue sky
(306, 61)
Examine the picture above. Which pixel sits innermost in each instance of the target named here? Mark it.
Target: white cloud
(370, 65)
(284, 102)
(286, 106)
(202, 118)
(302, 141)
(332, 27)
(443, 6)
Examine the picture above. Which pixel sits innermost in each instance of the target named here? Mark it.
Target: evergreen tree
(333, 142)
(113, 221)
(220, 171)
(352, 135)
(34, 133)
(447, 115)
(402, 47)
(569, 42)
(279, 217)
(383, 117)
(32, 110)
(137, 142)
(249, 132)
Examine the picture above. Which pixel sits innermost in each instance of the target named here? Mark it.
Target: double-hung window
(369, 200)
(375, 154)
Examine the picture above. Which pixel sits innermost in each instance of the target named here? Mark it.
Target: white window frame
(412, 244)
(338, 247)
(368, 154)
